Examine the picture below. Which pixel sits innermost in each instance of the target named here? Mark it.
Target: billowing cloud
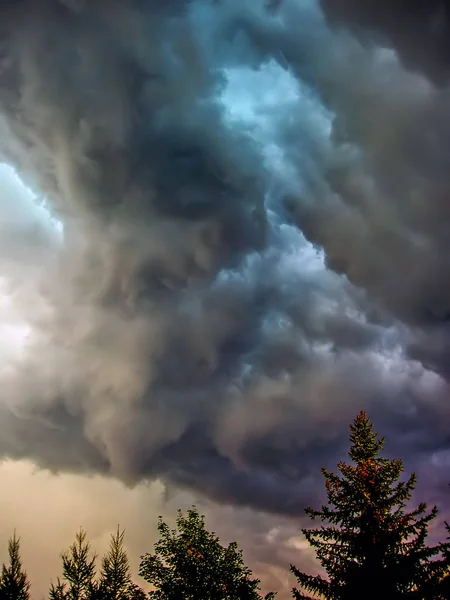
(418, 30)
(254, 245)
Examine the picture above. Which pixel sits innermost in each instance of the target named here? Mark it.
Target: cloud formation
(417, 30)
(255, 244)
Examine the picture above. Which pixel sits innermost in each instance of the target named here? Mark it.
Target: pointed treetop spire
(365, 442)
(14, 582)
(370, 543)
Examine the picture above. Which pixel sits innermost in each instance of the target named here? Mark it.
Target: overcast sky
(223, 233)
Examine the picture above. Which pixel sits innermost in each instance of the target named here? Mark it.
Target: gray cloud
(418, 31)
(254, 245)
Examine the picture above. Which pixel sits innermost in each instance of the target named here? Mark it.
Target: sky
(223, 233)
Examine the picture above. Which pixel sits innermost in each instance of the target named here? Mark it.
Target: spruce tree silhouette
(115, 581)
(78, 572)
(445, 581)
(14, 583)
(372, 546)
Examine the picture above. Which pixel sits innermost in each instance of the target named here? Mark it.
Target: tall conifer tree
(79, 572)
(14, 583)
(445, 581)
(372, 545)
(115, 577)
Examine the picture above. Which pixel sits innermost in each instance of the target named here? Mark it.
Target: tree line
(369, 544)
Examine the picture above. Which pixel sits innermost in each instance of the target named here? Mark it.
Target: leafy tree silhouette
(190, 564)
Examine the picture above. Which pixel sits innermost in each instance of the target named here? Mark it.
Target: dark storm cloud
(233, 283)
(418, 30)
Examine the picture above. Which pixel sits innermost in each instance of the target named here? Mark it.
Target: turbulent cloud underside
(249, 244)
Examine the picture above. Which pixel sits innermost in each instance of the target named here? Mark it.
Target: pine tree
(78, 572)
(115, 576)
(445, 581)
(14, 583)
(372, 544)
(58, 590)
(190, 564)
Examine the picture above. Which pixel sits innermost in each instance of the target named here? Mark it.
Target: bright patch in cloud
(22, 213)
(13, 331)
(30, 205)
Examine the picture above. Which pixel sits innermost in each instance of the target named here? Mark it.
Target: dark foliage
(190, 563)
(371, 546)
(371, 542)
(14, 583)
(78, 572)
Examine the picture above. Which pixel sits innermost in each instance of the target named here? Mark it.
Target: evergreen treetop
(79, 572)
(372, 542)
(14, 584)
(115, 577)
(445, 581)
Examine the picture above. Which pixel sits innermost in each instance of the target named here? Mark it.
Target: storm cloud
(417, 30)
(254, 244)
